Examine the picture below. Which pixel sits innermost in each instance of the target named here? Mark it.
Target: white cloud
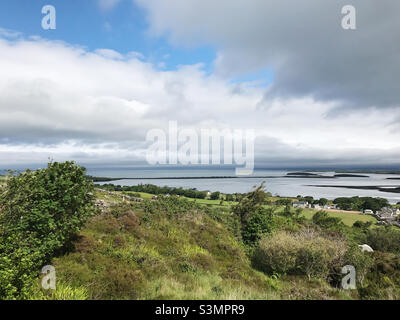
(65, 102)
(11, 34)
(108, 4)
(302, 41)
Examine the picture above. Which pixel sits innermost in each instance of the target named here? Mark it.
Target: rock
(365, 248)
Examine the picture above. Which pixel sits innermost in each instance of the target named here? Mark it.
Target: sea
(276, 181)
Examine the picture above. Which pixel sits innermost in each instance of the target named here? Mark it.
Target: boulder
(365, 248)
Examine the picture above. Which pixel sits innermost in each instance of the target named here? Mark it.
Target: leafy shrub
(383, 280)
(150, 188)
(323, 220)
(277, 254)
(363, 203)
(362, 225)
(361, 261)
(384, 239)
(172, 206)
(260, 223)
(305, 253)
(41, 211)
(249, 204)
(215, 195)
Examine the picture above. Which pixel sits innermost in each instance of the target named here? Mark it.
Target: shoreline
(289, 176)
(388, 189)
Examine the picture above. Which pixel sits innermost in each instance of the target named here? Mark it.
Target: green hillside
(175, 248)
(182, 252)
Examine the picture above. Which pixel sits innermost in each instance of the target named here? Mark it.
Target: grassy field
(348, 218)
(131, 254)
(138, 256)
(155, 250)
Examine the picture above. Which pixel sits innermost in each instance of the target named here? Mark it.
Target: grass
(347, 217)
(131, 254)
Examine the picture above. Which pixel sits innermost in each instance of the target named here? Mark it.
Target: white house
(300, 204)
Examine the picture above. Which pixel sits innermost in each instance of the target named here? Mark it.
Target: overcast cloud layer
(302, 41)
(334, 98)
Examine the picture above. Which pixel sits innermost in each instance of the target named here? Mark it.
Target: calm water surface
(275, 183)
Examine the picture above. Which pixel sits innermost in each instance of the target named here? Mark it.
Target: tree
(323, 202)
(215, 195)
(260, 223)
(322, 219)
(250, 203)
(309, 199)
(41, 212)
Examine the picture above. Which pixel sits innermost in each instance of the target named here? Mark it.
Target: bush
(259, 224)
(249, 204)
(383, 280)
(362, 225)
(304, 253)
(361, 261)
(384, 239)
(323, 220)
(41, 211)
(215, 195)
(277, 254)
(363, 203)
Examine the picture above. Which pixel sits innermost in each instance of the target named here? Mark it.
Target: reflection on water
(275, 182)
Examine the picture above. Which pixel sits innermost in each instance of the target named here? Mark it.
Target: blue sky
(122, 28)
(294, 76)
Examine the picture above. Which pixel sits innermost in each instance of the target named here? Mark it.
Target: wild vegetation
(153, 189)
(361, 203)
(179, 248)
(41, 212)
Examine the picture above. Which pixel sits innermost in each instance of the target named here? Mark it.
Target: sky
(315, 94)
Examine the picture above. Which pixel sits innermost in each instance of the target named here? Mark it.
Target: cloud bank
(66, 102)
(302, 41)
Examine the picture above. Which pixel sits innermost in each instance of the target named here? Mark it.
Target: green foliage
(323, 201)
(63, 291)
(362, 262)
(153, 189)
(283, 202)
(249, 204)
(361, 203)
(170, 205)
(383, 279)
(384, 239)
(304, 253)
(323, 220)
(165, 250)
(362, 225)
(215, 195)
(41, 211)
(260, 223)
